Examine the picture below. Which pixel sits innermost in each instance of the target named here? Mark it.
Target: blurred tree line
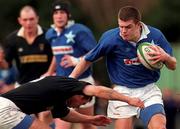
(99, 15)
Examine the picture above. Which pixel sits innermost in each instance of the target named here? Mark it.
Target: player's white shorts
(149, 94)
(10, 115)
(92, 102)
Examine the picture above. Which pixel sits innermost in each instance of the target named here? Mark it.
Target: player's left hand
(100, 120)
(69, 61)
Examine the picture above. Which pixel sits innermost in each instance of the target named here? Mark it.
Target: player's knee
(160, 126)
(88, 126)
(157, 125)
(34, 124)
(37, 124)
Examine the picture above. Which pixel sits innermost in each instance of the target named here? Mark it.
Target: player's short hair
(129, 13)
(28, 8)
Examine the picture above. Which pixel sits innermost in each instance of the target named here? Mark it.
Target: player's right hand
(69, 61)
(136, 102)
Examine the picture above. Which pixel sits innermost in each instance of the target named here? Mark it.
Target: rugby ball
(142, 51)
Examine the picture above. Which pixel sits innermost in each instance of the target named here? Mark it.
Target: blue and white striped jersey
(75, 40)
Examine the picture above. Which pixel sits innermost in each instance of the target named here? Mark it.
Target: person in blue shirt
(129, 76)
(8, 77)
(69, 41)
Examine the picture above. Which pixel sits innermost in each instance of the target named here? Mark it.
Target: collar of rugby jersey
(69, 24)
(145, 31)
(21, 31)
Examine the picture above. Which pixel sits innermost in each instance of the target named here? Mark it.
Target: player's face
(29, 20)
(129, 30)
(60, 18)
(76, 101)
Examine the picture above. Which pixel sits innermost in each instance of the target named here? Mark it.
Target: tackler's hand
(100, 120)
(136, 102)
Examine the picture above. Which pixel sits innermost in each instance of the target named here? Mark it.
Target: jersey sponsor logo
(33, 59)
(41, 46)
(62, 50)
(133, 61)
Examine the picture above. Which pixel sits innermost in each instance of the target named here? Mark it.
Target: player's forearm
(80, 68)
(52, 66)
(170, 62)
(110, 94)
(76, 117)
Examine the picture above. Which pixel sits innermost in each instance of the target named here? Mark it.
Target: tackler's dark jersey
(48, 93)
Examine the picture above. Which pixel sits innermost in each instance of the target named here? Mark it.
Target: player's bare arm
(169, 61)
(160, 55)
(110, 94)
(80, 68)
(37, 124)
(99, 120)
(51, 68)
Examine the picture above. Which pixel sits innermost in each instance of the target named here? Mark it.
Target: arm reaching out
(80, 68)
(110, 94)
(75, 117)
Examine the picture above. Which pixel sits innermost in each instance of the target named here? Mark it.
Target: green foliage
(165, 16)
(170, 79)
